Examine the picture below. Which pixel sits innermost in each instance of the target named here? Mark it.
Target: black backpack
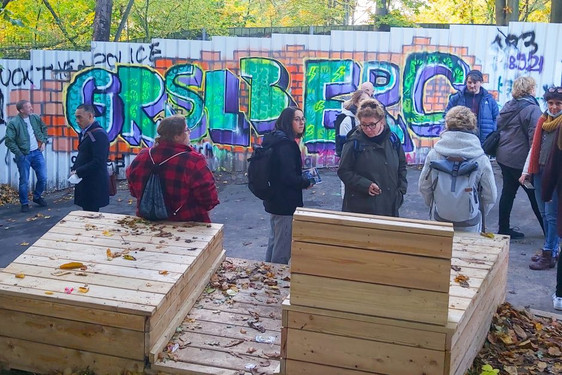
(259, 170)
(152, 205)
(340, 139)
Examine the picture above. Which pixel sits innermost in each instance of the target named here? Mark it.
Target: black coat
(90, 165)
(286, 177)
(363, 162)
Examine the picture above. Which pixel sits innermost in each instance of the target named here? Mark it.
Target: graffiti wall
(231, 90)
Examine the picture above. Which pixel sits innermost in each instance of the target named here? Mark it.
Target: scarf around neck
(548, 124)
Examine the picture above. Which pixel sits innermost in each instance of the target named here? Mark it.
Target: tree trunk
(123, 20)
(501, 18)
(556, 11)
(382, 8)
(102, 20)
(514, 10)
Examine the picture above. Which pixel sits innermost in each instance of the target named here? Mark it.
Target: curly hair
(370, 108)
(170, 127)
(523, 86)
(460, 118)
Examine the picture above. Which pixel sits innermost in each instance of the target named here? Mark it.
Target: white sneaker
(556, 302)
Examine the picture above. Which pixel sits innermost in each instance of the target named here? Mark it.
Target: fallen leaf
(71, 265)
(49, 293)
(19, 275)
(251, 350)
(129, 257)
(24, 243)
(163, 272)
(554, 351)
(233, 343)
(107, 233)
(83, 289)
(60, 273)
(487, 234)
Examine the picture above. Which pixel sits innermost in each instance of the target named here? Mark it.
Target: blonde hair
(170, 127)
(370, 108)
(460, 118)
(523, 86)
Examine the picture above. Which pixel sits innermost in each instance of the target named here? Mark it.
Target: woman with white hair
(459, 142)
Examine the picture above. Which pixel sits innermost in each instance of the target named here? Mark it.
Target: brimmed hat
(476, 75)
(553, 93)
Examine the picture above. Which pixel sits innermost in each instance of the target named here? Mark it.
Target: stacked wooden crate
(118, 312)
(382, 295)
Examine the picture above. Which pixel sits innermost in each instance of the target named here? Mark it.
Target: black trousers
(509, 190)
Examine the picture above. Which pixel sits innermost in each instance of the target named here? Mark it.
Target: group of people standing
(372, 166)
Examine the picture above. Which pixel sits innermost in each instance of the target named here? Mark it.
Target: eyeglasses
(372, 125)
(555, 89)
(299, 119)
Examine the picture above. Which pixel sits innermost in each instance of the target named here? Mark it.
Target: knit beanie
(476, 75)
(553, 93)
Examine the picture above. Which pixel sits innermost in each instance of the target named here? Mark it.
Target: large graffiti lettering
(231, 92)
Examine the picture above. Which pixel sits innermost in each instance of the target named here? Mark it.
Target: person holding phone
(373, 165)
(544, 140)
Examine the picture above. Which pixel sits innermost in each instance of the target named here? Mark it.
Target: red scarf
(536, 147)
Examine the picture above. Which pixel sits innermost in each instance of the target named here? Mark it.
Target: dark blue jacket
(286, 179)
(487, 113)
(90, 165)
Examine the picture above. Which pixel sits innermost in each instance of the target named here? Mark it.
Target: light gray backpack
(456, 191)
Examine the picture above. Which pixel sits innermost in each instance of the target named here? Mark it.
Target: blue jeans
(36, 161)
(549, 212)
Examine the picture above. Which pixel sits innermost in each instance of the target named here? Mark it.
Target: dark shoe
(553, 260)
(40, 201)
(24, 208)
(515, 235)
(544, 262)
(536, 256)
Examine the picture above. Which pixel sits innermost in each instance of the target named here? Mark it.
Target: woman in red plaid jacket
(188, 184)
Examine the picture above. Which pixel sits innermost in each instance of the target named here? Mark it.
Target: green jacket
(17, 137)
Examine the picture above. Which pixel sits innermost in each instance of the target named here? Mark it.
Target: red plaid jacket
(187, 181)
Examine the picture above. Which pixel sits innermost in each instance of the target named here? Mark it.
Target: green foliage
(394, 18)
(489, 370)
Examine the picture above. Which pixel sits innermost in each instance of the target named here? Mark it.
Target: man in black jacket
(92, 191)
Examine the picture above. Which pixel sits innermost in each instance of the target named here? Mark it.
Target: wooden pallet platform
(216, 338)
(128, 308)
(368, 265)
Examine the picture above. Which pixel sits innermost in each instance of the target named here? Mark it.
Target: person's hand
(523, 178)
(374, 189)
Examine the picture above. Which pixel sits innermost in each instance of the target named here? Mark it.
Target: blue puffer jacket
(487, 114)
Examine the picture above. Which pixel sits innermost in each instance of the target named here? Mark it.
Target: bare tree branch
(123, 20)
(59, 23)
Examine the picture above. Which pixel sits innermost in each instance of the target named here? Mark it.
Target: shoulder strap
(165, 161)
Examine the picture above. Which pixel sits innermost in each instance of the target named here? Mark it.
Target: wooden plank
(68, 241)
(287, 306)
(60, 310)
(217, 359)
(377, 267)
(236, 319)
(370, 299)
(159, 337)
(470, 337)
(144, 262)
(187, 287)
(373, 239)
(105, 295)
(41, 358)
(91, 278)
(393, 334)
(228, 330)
(71, 334)
(363, 355)
(373, 221)
(183, 368)
(24, 260)
(305, 368)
